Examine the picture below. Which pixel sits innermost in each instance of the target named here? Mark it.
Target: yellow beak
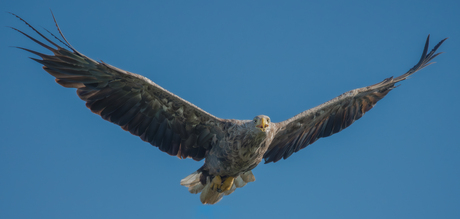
(262, 124)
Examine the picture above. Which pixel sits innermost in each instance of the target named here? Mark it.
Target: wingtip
(62, 35)
(12, 13)
(425, 60)
(440, 43)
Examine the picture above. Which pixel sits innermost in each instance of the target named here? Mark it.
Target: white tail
(209, 196)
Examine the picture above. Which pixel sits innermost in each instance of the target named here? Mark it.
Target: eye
(255, 120)
(268, 120)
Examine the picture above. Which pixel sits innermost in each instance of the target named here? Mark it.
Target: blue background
(237, 59)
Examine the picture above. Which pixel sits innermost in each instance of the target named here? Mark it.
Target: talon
(227, 184)
(219, 186)
(215, 184)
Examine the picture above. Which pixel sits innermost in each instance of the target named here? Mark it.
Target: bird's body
(231, 148)
(241, 149)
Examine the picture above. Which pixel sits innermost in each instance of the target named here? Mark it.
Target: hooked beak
(262, 124)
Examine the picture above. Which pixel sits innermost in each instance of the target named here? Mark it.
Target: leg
(227, 184)
(219, 186)
(215, 183)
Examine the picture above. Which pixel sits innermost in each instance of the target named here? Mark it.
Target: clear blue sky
(237, 60)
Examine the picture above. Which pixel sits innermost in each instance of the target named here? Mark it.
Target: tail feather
(248, 177)
(208, 195)
(191, 179)
(193, 183)
(228, 192)
(239, 182)
(197, 188)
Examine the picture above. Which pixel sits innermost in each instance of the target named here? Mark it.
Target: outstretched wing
(132, 101)
(335, 115)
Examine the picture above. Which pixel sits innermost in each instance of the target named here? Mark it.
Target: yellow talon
(219, 186)
(228, 183)
(216, 182)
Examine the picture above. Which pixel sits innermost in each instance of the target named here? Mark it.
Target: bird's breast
(235, 156)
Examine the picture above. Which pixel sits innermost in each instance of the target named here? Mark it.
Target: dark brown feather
(333, 116)
(131, 101)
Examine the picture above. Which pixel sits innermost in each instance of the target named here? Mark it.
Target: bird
(231, 148)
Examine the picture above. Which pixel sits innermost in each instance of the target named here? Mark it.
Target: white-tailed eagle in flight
(231, 148)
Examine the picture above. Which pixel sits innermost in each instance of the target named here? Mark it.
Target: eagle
(231, 148)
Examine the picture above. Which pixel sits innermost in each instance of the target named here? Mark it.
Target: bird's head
(262, 122)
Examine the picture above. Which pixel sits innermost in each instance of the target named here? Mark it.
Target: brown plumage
(337, 114)
(231, 148)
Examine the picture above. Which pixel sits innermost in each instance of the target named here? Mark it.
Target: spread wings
(131, 101)
(335, 115)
